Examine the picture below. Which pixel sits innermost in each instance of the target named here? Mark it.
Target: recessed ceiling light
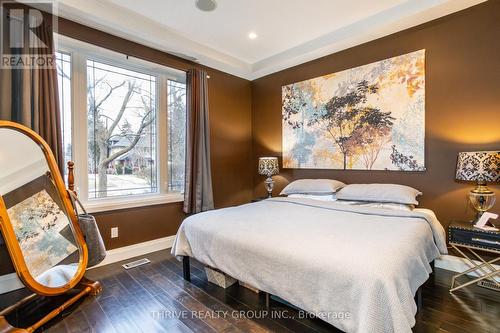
(206, 5)
(252, 35)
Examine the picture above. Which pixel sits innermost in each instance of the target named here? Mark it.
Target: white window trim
(80, 52)
(132, 201)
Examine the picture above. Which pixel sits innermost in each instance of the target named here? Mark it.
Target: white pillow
(380, 193)
(320, 197)
(312, 186)
(385, 205)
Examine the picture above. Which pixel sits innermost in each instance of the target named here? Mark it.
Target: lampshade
(479, 166)
(268, 166)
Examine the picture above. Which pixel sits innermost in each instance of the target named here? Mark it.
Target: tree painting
(297, 101)
(350, 123)
(370, 117)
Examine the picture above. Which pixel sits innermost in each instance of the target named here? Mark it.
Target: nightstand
(464, 238)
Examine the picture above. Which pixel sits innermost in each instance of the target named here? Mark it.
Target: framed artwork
(40, 225)
(370, 117)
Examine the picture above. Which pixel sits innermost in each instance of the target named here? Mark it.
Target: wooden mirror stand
(84, 287)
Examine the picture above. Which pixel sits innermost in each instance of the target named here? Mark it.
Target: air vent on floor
(489, 285)
(136, 263)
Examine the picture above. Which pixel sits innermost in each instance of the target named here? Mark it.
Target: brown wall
(462, 104)
(140, 224)
(231, 147)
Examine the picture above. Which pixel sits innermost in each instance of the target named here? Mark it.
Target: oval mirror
(37, 219)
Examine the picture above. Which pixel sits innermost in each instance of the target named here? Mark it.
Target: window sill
(105, 205)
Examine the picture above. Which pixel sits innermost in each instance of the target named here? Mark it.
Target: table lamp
(481, 167)
(268, 166)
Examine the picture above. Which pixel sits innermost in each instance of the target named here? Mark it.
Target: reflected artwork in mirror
(36, 212)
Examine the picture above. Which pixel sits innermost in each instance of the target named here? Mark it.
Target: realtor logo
(27, 40)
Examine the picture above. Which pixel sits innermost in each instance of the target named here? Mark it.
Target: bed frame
(186, 272)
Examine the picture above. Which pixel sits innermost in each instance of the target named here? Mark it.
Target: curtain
(29, 96)
(198, 194)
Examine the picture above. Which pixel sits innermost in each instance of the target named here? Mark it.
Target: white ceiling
(289, 32)
(280, 25)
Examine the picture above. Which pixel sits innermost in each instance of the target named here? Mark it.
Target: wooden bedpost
(186, 269)
(71, 176)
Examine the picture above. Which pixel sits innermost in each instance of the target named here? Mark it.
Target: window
(63, 62)
(123, 123)
(121, 131)
(176, 135)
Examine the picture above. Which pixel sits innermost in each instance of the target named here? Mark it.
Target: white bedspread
(328, 259)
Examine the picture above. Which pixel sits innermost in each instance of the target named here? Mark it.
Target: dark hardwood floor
(155, 298)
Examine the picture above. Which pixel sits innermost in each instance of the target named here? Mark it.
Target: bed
(357, 268)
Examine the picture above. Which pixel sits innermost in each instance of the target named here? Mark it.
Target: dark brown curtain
(29, 96)
(198, 194)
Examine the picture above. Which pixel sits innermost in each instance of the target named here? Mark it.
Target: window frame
(81, 52)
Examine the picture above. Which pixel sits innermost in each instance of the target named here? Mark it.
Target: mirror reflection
(37, 214)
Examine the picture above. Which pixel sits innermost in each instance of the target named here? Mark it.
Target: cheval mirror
(39, 224)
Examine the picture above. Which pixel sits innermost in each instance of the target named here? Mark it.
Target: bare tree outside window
(121, 131)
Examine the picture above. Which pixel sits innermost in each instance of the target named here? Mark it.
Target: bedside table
(463, 237)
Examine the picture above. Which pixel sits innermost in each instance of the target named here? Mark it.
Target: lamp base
(482, 199)
(269, 183)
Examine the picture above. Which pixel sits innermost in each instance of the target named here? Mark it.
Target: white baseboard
(11, 282)
(140, 249)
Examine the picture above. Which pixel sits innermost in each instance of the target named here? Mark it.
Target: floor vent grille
(136, 263)
(489, 285)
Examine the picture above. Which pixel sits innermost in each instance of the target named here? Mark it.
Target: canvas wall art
(370, 117)
(41, 226)
(37, 222)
